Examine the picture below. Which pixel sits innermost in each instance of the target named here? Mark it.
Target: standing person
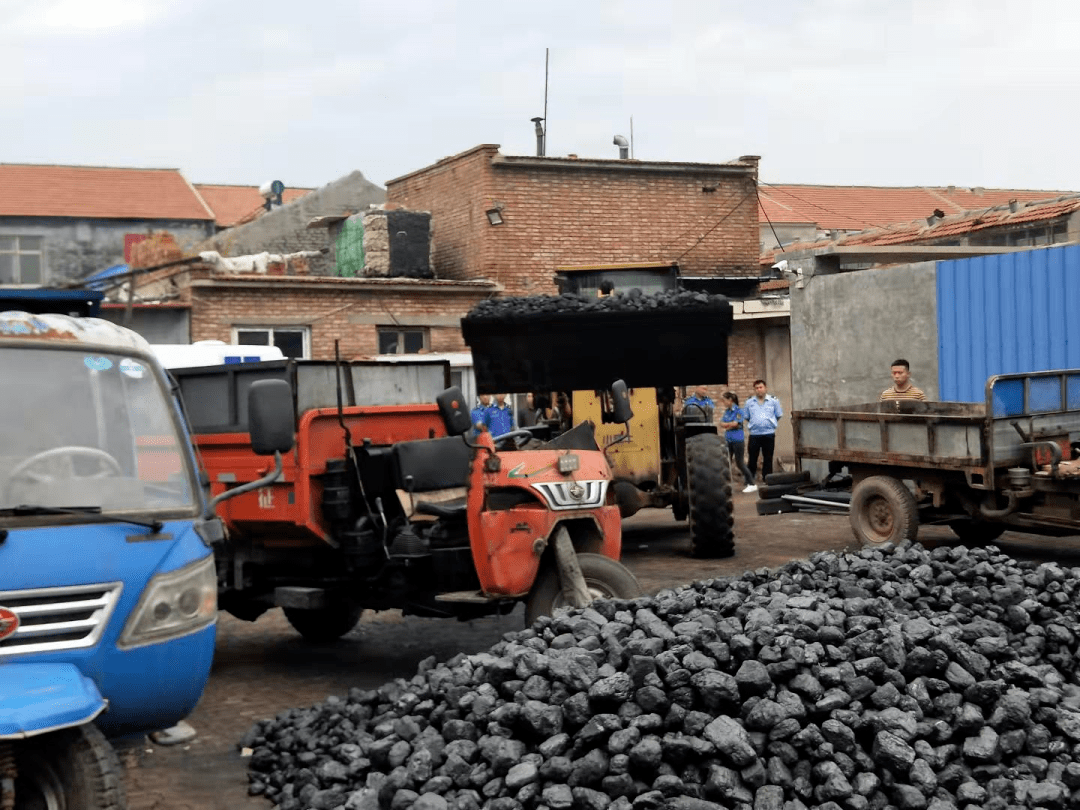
(699, 403)
(732, 421)
(902, 387)
(763, 413)
(479, 415)
(500, 416)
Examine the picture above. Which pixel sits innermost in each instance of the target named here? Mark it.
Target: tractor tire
(604, 577)
(883, 511)
(774, 506)
(323, 625)
(73, 768)
(708, 485)
(976, 532)
(779, 490)
(788, 477)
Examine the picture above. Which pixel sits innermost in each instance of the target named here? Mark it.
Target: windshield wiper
(93, 512)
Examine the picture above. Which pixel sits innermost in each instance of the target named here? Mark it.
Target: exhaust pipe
(624, 147)
(541, 147)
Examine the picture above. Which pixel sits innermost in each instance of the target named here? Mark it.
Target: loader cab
(601, 280)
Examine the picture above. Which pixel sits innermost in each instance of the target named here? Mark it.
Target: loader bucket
(517, 349)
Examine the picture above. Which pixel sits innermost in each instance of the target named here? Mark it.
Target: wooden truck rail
(1024, 414)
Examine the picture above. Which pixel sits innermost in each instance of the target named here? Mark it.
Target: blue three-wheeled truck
(108, 603)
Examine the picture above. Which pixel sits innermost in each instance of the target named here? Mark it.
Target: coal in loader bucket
(573, 342)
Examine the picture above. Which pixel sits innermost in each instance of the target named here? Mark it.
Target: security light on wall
(494, 216)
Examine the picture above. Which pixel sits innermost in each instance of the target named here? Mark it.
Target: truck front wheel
(73, 769)
(708, 472)
(323, 625)
(604, 579)
(883, 510)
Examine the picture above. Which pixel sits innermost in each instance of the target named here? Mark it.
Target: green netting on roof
(350, 248)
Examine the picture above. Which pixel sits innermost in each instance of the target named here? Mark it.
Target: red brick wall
(569, 214)
(332, 312)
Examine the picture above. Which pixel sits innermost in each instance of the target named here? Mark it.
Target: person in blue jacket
(732, 421)
(500, 416)
(763, 414)
(699, 403)
(479, 415)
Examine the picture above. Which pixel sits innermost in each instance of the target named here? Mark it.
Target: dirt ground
(264, 667)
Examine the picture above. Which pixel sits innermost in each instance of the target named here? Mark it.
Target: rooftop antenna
(631, 137)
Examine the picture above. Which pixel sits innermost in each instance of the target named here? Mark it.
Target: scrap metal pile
(910, 679)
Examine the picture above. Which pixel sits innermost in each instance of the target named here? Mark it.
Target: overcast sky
(900, 92)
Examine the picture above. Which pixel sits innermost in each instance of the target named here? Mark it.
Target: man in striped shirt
(902, 387)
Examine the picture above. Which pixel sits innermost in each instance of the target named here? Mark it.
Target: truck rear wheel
(708, 472)
(322, 625)
(883, 510)
(605, 578)
(73, 769)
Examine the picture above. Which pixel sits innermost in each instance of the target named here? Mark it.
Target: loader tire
(779, 490)
(320, 626)
(605, 578)
(788, 477)
(72, 768)
(708, 486)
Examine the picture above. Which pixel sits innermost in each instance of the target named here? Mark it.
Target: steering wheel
(513, 437)
(108, 464)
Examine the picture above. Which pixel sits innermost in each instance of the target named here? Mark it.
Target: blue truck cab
(108, 590)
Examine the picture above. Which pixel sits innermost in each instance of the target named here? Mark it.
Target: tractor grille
(564, 495)
(53, 619)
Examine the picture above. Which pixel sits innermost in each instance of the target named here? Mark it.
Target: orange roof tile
(919, 231)
(235, 204)
(97, 193)
(860, 207)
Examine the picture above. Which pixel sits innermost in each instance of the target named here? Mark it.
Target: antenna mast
(547, 52)
(631, 137)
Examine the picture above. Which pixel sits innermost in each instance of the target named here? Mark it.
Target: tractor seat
(431, 476)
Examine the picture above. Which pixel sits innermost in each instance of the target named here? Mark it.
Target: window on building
(294, 341)
(393, 340)
(22, 260)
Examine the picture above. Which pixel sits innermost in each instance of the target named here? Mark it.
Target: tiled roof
(919, 231)
(860, 207)
(235, 204)
(98, 193)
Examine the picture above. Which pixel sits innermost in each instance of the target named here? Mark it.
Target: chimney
(1014, 205)
(624, 147)
(541, 137)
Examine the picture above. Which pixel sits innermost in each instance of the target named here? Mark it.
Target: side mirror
(271, 419)
(620, 402)
(455, 414)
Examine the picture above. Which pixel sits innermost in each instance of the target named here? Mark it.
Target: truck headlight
(173, 605)
(568, 463)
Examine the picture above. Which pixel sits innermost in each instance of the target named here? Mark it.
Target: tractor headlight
(568, 463)
(173, 605)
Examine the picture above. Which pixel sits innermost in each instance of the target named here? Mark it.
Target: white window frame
(401, 330)
(304, 330)
(17, 252)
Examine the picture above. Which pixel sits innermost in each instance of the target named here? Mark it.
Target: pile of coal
(544, 306)
(906, 679)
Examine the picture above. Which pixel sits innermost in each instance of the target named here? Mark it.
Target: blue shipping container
(1010, 312)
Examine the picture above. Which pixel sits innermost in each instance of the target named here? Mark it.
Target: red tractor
(393, 506)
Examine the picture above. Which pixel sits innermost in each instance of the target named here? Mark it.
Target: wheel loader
(575, 343)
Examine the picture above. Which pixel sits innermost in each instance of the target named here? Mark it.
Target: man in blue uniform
(500, 416)
(480, 420)
(699, 403)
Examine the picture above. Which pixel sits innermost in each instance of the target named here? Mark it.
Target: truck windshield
(81, 429)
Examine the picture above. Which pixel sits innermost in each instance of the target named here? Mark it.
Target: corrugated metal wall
(1006, 313)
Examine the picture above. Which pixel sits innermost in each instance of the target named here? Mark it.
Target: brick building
(515, 220)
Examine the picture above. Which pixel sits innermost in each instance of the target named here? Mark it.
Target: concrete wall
(847, 328)
(285, 229)
(75, 248)
(162, 325)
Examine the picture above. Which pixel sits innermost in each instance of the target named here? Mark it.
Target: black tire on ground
(788, 477)
(977, 533)
(883, 510)
(774, 506)
(778, 490)
(75, 768)
(708, 472)
(323, 625)
(604, 577)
